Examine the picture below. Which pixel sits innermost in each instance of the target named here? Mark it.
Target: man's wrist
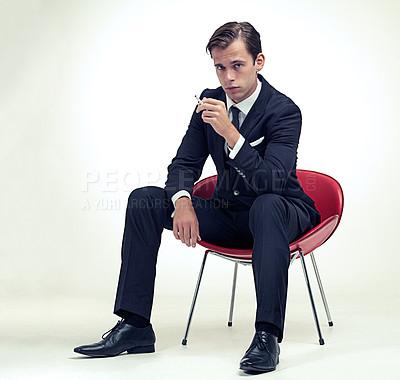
(179, 194)
(235, 150)
(233, 138)
(182, 200)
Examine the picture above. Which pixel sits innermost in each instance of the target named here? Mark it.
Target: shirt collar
(245, 105)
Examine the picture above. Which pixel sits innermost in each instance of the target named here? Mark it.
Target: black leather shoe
(262, 355)
(122, 337)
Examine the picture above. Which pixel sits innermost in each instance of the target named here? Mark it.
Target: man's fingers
(200, 106)
(209, 117)
(212, 102)
(180, 233)
(210, 105)
(193, 236)
(175, 230)
(186, 234)
(210, 108)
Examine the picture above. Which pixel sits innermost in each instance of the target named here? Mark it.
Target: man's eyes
(235, 66)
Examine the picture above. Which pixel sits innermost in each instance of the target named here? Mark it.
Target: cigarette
(198, 100)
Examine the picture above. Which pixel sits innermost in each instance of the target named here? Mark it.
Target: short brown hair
(231, 31)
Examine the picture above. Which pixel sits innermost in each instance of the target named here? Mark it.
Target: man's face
(236, 70)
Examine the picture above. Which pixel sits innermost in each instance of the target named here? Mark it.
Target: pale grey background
(81, 127)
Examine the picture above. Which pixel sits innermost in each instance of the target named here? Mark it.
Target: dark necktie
(235, 121)
(235, 116)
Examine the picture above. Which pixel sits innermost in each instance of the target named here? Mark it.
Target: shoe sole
(135, 350)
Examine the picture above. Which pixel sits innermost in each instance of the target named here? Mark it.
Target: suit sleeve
(269, 173)
(186, 168)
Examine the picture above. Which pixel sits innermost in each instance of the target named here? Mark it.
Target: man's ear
(260, 61)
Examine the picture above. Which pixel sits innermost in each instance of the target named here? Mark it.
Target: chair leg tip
(321, 342)
(184, 342)
(229, 324)
(330, 323)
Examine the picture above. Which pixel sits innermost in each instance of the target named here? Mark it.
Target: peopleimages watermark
(106, 190)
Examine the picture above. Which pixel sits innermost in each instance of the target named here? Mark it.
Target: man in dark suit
(251, 132)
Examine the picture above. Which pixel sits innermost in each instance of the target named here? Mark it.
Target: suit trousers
(268, 226)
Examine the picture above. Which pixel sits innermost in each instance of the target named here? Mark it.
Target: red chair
(328, 196)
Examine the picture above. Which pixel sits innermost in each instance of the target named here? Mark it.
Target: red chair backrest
(323, 189)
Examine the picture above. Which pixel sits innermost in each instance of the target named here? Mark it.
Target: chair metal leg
(321, 340)
(321, 289)
(233, 294)
(294, 257)
(184, 340)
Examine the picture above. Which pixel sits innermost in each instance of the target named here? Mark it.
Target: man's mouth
(232, 88)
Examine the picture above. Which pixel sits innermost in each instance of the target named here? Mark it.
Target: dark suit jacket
(266, 163)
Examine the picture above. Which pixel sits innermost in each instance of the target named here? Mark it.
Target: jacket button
(236, 192)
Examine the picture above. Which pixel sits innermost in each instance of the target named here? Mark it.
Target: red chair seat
(323, 189)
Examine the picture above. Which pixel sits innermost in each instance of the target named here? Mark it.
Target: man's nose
(230, 75)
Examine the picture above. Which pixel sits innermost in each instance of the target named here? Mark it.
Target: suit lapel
(257, 111)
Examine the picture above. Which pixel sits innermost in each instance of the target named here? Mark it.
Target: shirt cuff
(176, 196)
(235, 150)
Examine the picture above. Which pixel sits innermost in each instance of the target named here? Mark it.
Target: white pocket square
(254, 143)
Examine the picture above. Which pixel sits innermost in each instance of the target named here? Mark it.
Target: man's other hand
(185, 223)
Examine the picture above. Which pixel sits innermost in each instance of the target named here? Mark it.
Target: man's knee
(267, 205)
(148, 197)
